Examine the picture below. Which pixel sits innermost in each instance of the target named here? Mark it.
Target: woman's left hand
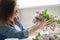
(44, 23)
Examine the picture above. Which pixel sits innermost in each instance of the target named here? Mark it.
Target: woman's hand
(44, 23)
(38, 25)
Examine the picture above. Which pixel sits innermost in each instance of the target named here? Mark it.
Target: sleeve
(13, 33)
(18, 22)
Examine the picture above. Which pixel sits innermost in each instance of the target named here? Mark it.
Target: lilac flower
(58, 38)
(58, 26)
(52, 18)
(51, 37)
(37, 12)
(45, 37)
(34, 20)
(54, 25)
(41, 18)
(40, 38)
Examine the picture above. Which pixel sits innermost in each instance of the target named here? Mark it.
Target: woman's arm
(30, 30)
(37, 26)
(34, 27)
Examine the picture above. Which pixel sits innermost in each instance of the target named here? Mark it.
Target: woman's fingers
(45, 19)
(49, 22)
(45, 23)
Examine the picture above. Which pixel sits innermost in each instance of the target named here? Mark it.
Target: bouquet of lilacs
(44, 15)
(55, 23)
(46, 37)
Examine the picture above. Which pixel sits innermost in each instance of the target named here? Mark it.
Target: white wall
(32, 3)
(27, 14)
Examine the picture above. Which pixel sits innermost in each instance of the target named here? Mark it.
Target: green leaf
(44, 11)
(37, 37)
(50, 39)
(45, 14)
(33, 39)
(55, 36)
(39, 34)
(37, 19)
(52, 29)
(57, 21)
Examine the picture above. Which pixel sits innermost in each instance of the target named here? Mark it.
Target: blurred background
(27, 9)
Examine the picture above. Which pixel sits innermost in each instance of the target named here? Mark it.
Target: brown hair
(6, 10)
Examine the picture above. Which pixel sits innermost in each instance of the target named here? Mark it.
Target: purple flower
(58, 38)
(45, 37)
(52, 18)
(41, 18)
(40, 38)
(34, 20)
(58, 26)
(51, 37)
(37, 12)
(54, 25)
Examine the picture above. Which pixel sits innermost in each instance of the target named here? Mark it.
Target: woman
(9, 19)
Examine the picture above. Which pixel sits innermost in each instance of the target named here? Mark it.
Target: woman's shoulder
(3, 28)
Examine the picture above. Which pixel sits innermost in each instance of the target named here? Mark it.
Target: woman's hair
(6, 10)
